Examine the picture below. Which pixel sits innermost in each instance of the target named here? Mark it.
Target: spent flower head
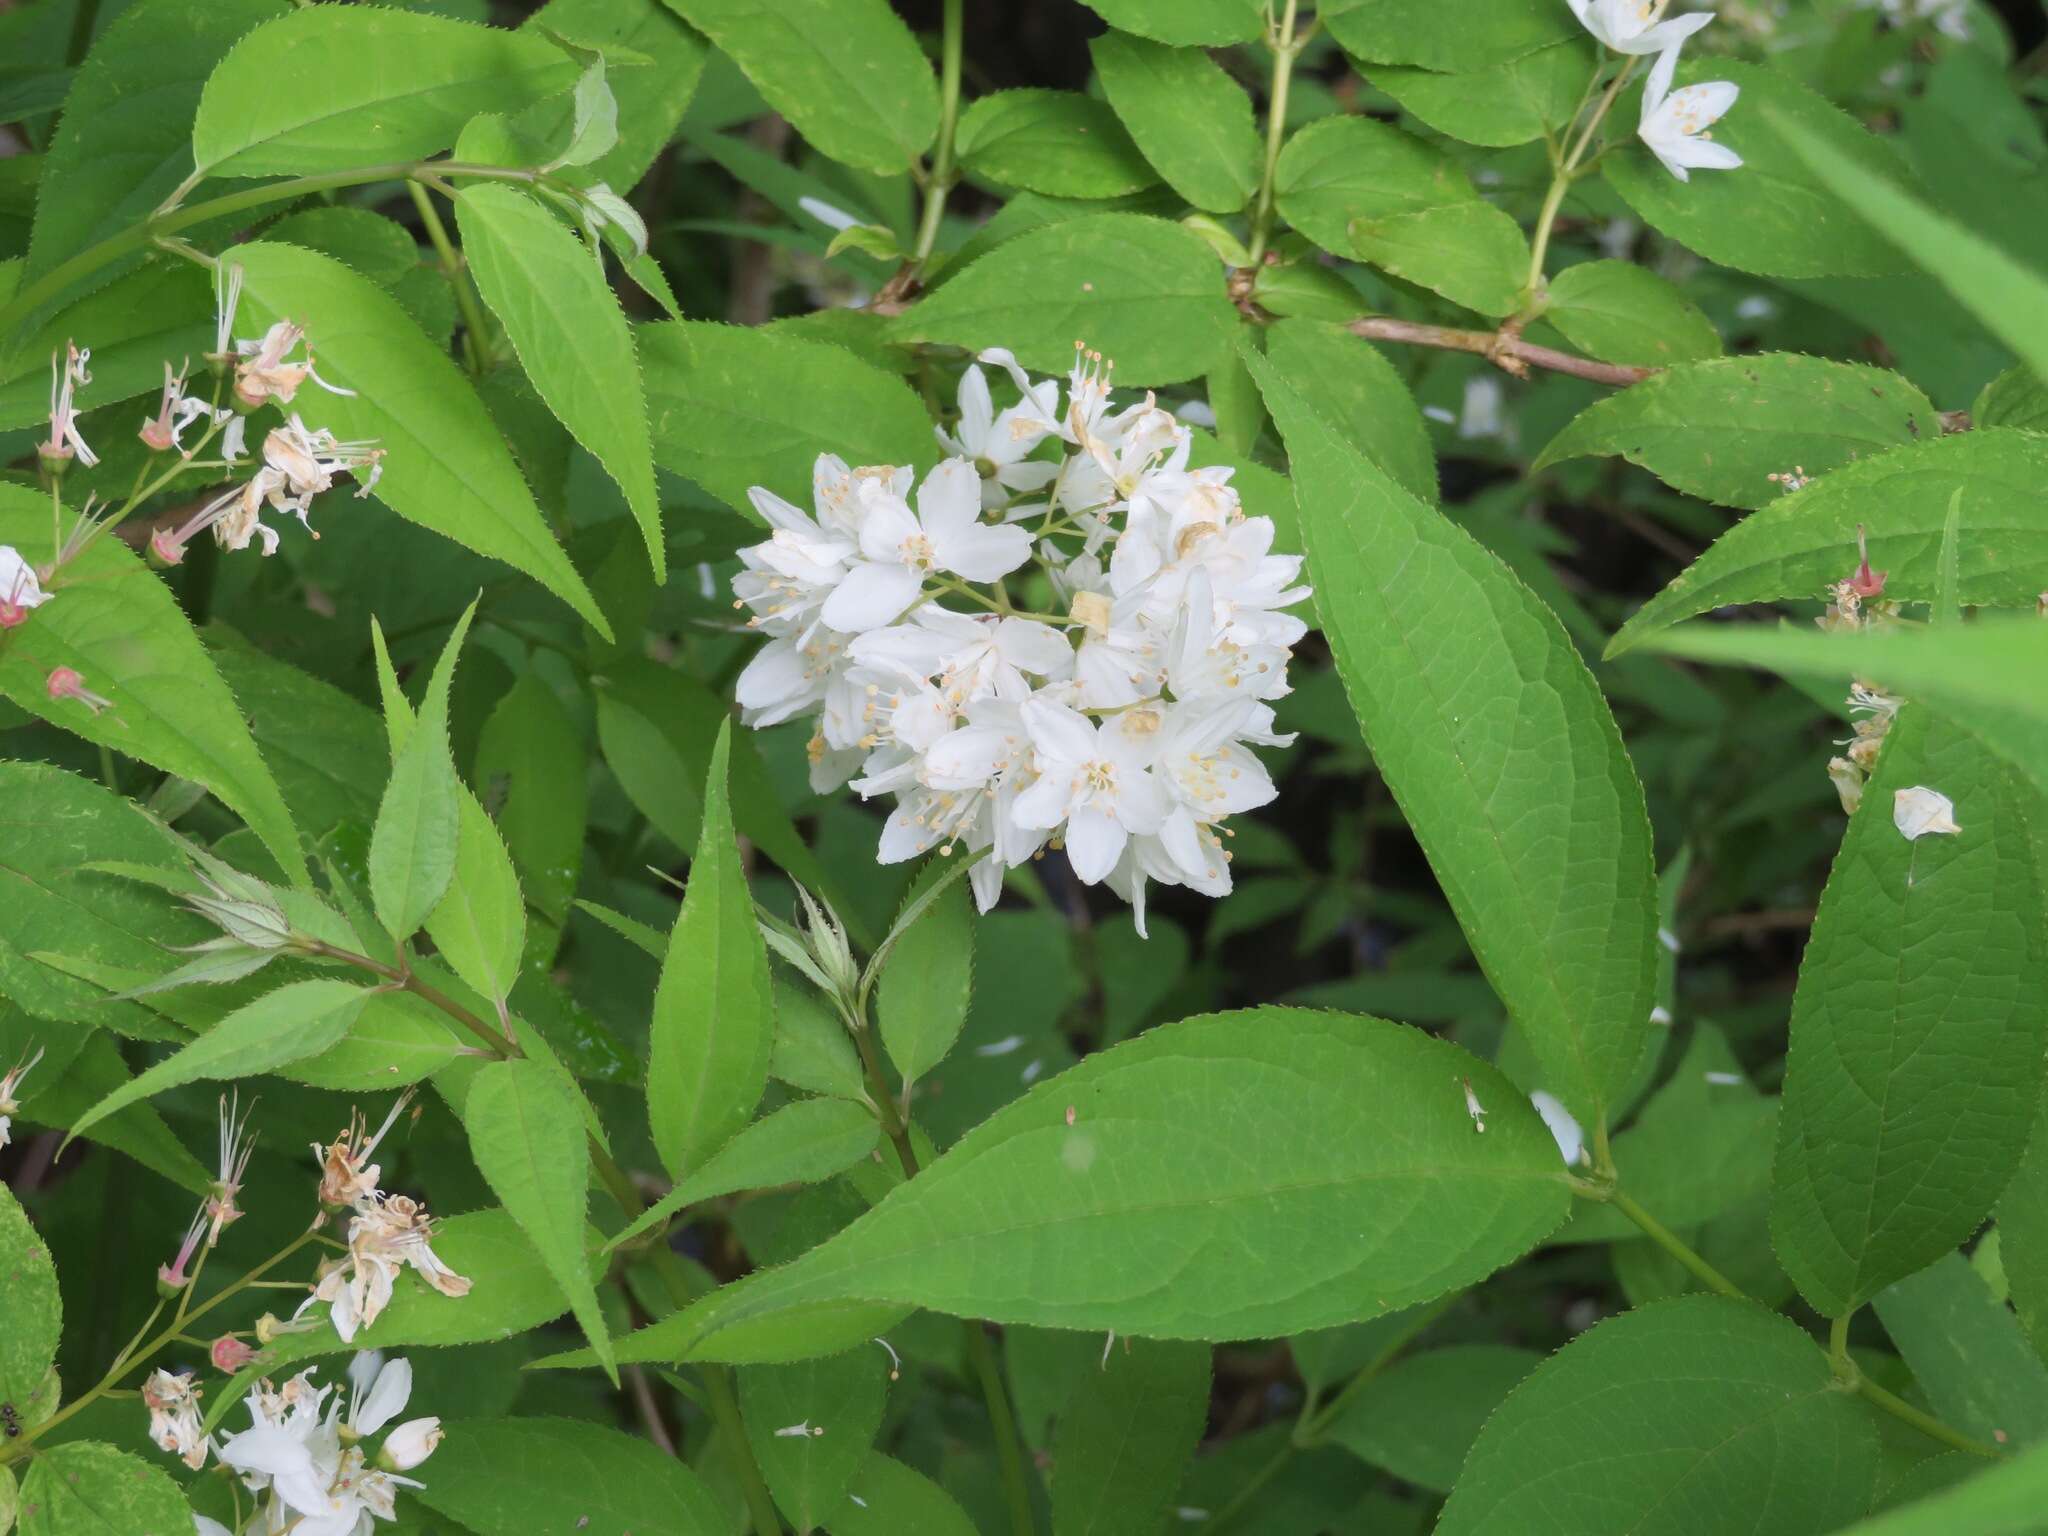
(10, 1091)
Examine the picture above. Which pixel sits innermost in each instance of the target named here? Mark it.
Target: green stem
(1838, 1337)
(1565, 174)
(1926, 1423)
(452, 268)
(940, 184)
(1316, 1426)
(1286, 48)
(1676, 1246)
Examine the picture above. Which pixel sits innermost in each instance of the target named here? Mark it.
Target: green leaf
(479, 926)
(446, 468)
(2023, 1235)
(812, 1050)
(2003, 1500)
(330, 87)
(133, 324)
(530, 765)
(1360, 187)
(889, 1499)
(324, 747)
(800, 1143)
(111, 619)
(382, 249)
(570, 334)
(838, 1402)
(525, 1128)
(1182, 21)
(1622, 313)
(396, 1039)
(95, 1071)
(86, 1488)
(1418, 1418)
(1364, 395)
(281, 1027)
(34, 1314)
(2009, 297)
(1967, 1354)
(1057, 142)
(652, 95)
(1188, 117)
(1910, 1085)
(1125, 1436)
(1720, 429)
(1699, 1416)
(1145, 293)
(510, 1477)
(927, 979)
(714, 1013)
(734, 408)
(1167, 1208)
(1500, 749)
(1498, 105)
(125, 139)
(846, 73)
(1449, 34)
(413, 846)
(2014, 399)
(1774, 215)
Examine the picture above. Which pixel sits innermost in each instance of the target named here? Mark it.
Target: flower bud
(230, 1354)
(409, 1444)
(243, 909)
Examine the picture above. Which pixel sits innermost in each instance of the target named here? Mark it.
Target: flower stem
(1286, 49)
(1561, 180)
(943, 175)
(452, 268)
(1676, 1246)
(1926, 1423)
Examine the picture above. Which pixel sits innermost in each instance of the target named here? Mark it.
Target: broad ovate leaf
(33, 1317)
(87, 1488)
(547, 1474)
(1189, 118)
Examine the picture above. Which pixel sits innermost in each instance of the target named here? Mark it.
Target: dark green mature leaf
(125, 139)
(33, 1317)
(1699, 1416)
(2004, 1500)
(414, 844)
(111, 619)
(131, 326)
(889, 1499)
(2016, 398)
(1125, 1436)
(811, 1426)
(1182, 21)
(734, 408)
(1363, 396)
(1060, 143)
(846, 73)
(653, 95)
(1498, 105)
(86, 1488)
(530, 766)
(323, 745)
(1967, 1353)
(446, 468)
(1720, 429)
(2023, 1235)
(927, 979)
(281, 1027)
(1191, 120)
(1449, 34)
(714, 1012)
(1774, 216)
(330, 87)
(525, 1126)
(1910, 1086)
(1145, 293)
(1497, 743)
(571, 336)
(1622, 313)
(1167, 1208)
(515, 1477)
(1419, 1417)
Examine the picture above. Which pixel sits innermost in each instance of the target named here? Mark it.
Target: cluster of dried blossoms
(1856, 603)
(1118, 728)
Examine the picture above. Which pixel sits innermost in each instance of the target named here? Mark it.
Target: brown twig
(1503, 348)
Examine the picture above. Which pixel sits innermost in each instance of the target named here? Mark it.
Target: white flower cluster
(1674, 124)
(1118, 728)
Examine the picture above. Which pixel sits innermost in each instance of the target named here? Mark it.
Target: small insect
(10, 1421)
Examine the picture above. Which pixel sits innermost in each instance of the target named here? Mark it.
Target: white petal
(1564, 1129)
(872, 595)
(967, 758)
(977, 551)
(1920, 810)
(977, 410)
(886, 523)
(949, 501)
(1141, 804)
(1033, 647)
(1095, 841)
(1060, 734)
(1044, 804)
(386, 1400)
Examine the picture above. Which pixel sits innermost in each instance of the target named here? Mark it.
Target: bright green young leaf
(479, 926)
(714, 1013)
(846, 73)
(132, 324)
(509, 1477)
(1497, 105)
(1967, 1354)
(565, 323)
(926, 982)
(1182, 21)
(800, 1143)
(1125, 1436)
(445, 467)
(1497, 743)
(2005, 1499)
(1721, 429)
(281, 1027)
(889, 1499)
(413, 846)
(838, 1401)
(382, 249)
(86, 1488)
(33, 1317)
(112, 620)
(1695, 1417)
(812, 1050)
(1775, 216)
(1190, 119)
(1364, 397)
(1449, 34)
(2023, 1236)
(1622, 313)
(1168, 1209)
(651, 96)
(1910, 1087)
(331, 87)
(526, 1132)
(1147, 294)
(1060, 143)
(734, 408)
(396, 1039)
(125, 139)
(1418, 1418)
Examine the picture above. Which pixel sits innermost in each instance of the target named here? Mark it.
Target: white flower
(1675, 125)
(236, 1146)
(174, 1416)
(1207, 775)
(1631, 26)
(999, 444)
(1920, 810)
(1565, 1130)
(788, 578)
(20, 589)
(346, 1173)
(900, 549)
(264, 372)
(67, 375)
(308, 459)
(410, 1444)
(1094, 780)
(309, 1462)
(10, 1087)
(970, 656)
(175, 411)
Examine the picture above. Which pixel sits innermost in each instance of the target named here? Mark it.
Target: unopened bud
(409, 1444)
(1866, 583)
(243, 909)
(164, 546)
(230, 1354)
(65, 683)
